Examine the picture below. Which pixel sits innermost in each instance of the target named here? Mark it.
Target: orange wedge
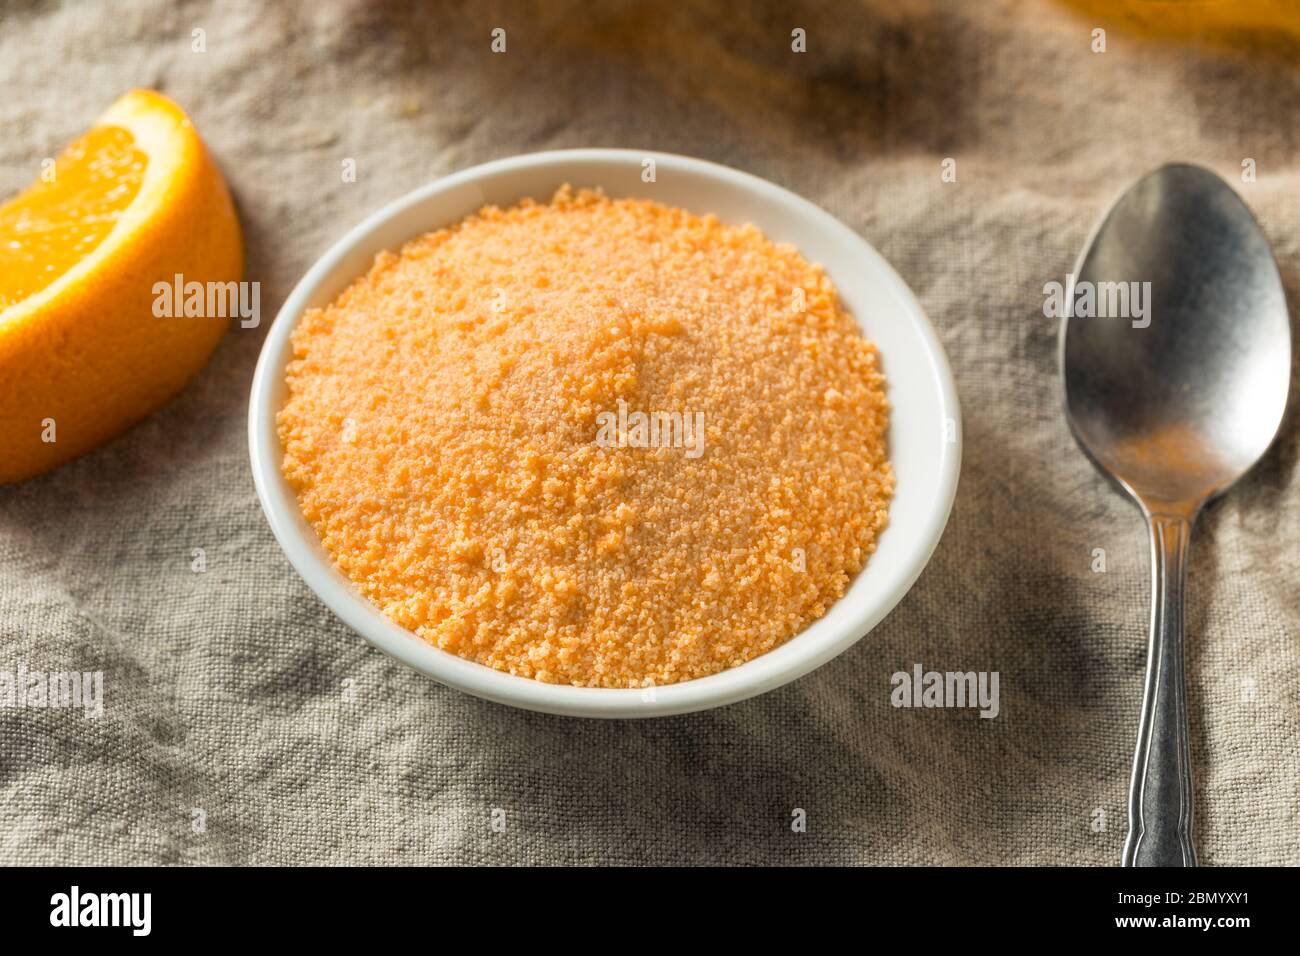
(134, 202)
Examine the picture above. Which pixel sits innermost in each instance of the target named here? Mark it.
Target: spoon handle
(1160, 796)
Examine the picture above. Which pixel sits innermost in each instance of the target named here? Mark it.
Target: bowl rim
(781, 665)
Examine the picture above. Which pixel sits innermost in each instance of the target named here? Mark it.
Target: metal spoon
(1175, 405)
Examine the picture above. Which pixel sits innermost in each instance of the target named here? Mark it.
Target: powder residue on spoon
(591, 441)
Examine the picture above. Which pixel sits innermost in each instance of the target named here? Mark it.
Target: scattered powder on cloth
(591, 441)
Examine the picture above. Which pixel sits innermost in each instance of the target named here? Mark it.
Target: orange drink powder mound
(596, 442)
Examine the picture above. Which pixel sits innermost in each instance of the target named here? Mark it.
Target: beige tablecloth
(227, 736)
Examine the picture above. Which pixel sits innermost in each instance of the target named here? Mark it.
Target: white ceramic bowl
(924, 436)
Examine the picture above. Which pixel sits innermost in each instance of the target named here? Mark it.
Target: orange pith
(54, 224)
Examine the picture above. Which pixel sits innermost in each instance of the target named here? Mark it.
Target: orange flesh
(52, 226)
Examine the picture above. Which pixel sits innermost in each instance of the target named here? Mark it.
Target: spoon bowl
(1176, 362)
(1178, 402)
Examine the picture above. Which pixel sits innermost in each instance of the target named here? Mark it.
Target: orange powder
(598, 442)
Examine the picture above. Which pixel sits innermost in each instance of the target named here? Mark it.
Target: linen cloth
(244, 724)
